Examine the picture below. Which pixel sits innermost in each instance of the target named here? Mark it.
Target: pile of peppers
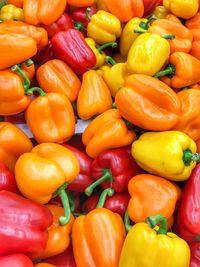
(126, 191)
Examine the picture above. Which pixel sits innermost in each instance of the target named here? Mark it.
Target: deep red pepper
(45, 54)
(7, 179)
(189, 209)
(71, 47)
(195, 254)
(114, 168)
(17, 118)
(150, 5)
(76, 141)
(83, 14)
(15, 260)
(23, 225)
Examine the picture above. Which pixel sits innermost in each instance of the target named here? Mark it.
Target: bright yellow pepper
(169, 154)
(147, 246)
(148, 54)
(8, 12)
(104, 27)
(184, 9)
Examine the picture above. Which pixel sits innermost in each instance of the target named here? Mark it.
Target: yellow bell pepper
(170, 154)
(98, 51)
(104, 27)
(160, 12)
(8, 12)
(147, 246)
(148, 54)
(182, 9)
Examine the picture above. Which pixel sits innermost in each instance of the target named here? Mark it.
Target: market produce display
(100, 133)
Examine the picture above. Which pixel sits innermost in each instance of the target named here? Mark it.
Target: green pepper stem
(29, 62)
(189, 157)
(88, 13)
(71, 201)
(127, 224)
(35, 89)
(104, 46)
(110, 60)
(26, 82)
(169, 36)
(170, 71)
(114, 105)
(107, 176)
(145, 25)
(79, 26)
(139, 31)
(107, 192)
(152, 221)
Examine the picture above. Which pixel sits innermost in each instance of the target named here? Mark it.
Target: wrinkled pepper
(195, 254)
(174, 154)
(11, 12)
(17, 260)
(106, 131)
(80, 3)
(7, 179)
(23, 225)
(148, 103)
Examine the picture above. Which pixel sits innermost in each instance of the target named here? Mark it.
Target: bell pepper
(13, 143)
(11, 12)
(160, 11)
(15, 48)
(173, 156)
(80, 3)
(23, 225)
(182, 70)
(43, 55)
(106, 131)
(37, 11)
(99, 235)
(137, 103)
(182, 9)
(104, 27)
(101, 5)
(58, 235)
(151, 195)
(99, 99)
(84, 177)
(28, 67)
(53, 167)
(71, 47)
(150, 5)
(7, 179)
(17, 260)
(188, 213)
(149, 50)
(195, 254)
(18, 3)
(189, 121)
(56, 76)
(83, 14)
(125, 10)
(161, 248)
(113, 168)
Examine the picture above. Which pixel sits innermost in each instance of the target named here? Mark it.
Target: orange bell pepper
(97, 238)
(80, 3)
(182, 70)
(58, 235)
(15, 48)
(17, 3)
(50, 117)
(28, 68)
(38, 34)
(125, 10)
(151, 195)
(94, 97)
(56, 76)
(148, 103)
(45, 172)
(189, 120)
(39, 11)
(106, 131)
(13, 143)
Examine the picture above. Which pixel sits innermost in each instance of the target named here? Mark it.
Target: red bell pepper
(83, 14)
(195, 254)
(15, 260)
(76, 141)
(117, 203)
(7, 179)
(23, 225)
(71, 47)
(189, 209)
(113, 168)
(150, 5)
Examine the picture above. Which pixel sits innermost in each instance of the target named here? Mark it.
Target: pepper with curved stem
(107, 192)
(167, 36)
(152, 221)
(110, 60)
(26, 81)
(189, 157)
(88, 13)
(29, 62)
(170, 71)
(106, 45)
(79, 26)
(145, 25)
(127, 224)
(35, 89)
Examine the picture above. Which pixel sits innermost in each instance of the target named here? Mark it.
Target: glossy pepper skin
(17, 260)
(125, 10)
(150, 5)
(161, 248)
(58, 235)
(39, 11)
(13, 143)
(188, 213)
(71, 47)
(104, 27)
(151, 195)
(83, 14)
(7, 179)
(51, 118)
(137, 103)
(195, 254)
(106, 131)
(56, 76)
(26, 224)
(11, 12)
(94, 96)
(170, 157)
(149, 50)
(80, 3)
